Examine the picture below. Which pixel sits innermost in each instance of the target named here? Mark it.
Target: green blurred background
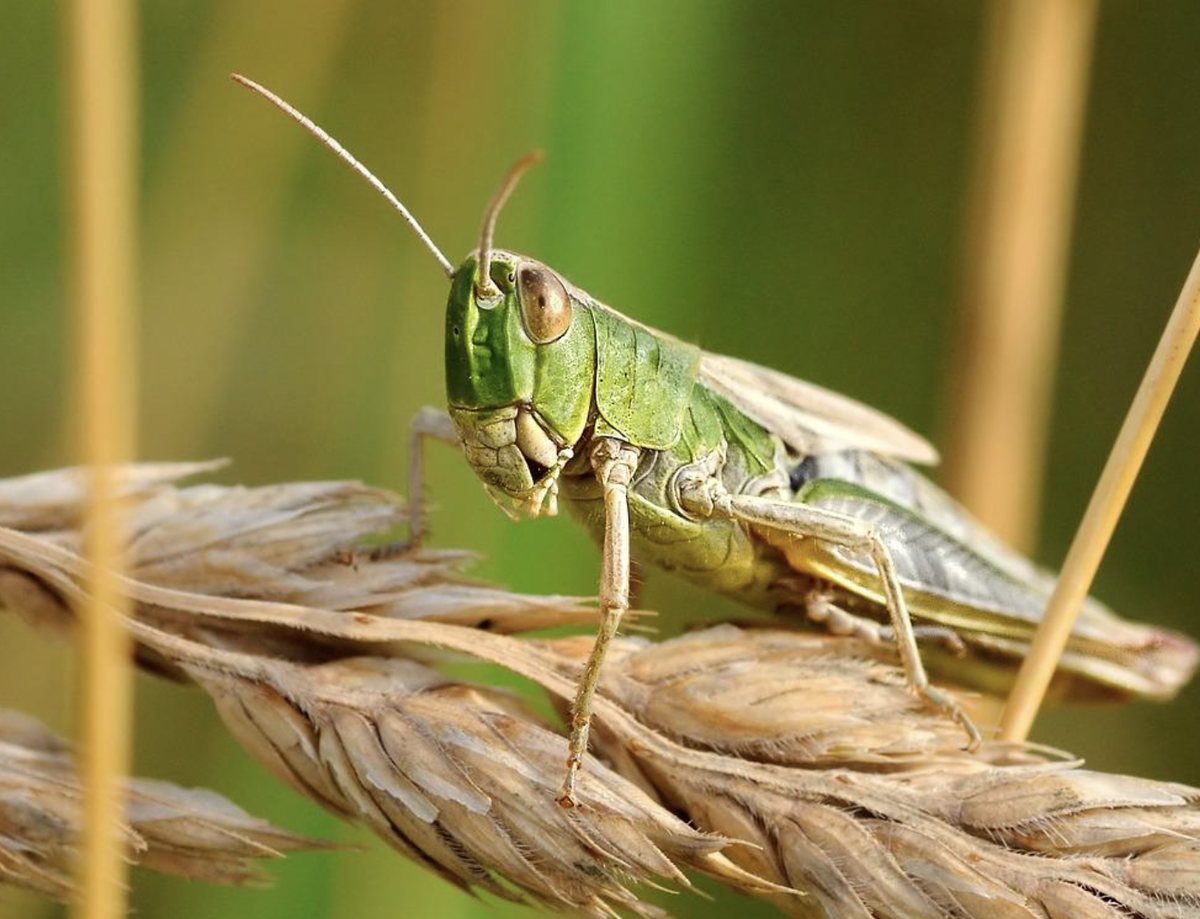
(782, 181)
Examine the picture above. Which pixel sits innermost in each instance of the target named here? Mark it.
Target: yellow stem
(1027, 152)
(1108, 500)
(103, 119)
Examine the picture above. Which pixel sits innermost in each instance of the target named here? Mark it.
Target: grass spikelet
(191, 833)
(792, 766)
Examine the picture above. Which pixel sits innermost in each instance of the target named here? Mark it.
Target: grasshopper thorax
(520, 371)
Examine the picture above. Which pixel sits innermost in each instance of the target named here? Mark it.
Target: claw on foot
(939, 700)
(567, 800)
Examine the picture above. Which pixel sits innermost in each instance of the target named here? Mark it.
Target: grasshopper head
(520, 346)
(520, 371)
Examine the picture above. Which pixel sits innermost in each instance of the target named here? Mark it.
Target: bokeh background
(787, 182)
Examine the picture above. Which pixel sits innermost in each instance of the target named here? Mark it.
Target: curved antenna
(484, 288)
(319, 133)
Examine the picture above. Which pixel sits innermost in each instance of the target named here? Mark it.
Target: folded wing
(809, 418)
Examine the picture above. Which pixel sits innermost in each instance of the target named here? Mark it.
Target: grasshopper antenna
(320, 134)
(484, 288)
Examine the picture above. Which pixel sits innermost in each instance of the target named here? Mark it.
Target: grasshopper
(745, 480)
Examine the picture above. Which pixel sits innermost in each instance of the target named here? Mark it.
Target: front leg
(428, 423)
(614, 462)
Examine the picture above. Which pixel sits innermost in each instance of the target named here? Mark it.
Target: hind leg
(803, 521)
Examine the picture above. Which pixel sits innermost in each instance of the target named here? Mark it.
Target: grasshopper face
(520, 373)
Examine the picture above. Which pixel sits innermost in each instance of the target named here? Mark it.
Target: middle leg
(820, 608)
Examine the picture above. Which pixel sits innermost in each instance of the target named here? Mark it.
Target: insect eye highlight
(545, 306)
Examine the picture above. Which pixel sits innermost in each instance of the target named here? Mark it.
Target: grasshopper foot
(566, 798)
(940, 700)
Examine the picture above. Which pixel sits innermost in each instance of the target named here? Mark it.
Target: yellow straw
(103, 116)
(1027, 153)
(1108, 500)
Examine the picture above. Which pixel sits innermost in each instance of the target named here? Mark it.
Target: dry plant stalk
(1023, 189)
(101, 60)
(805, 771)
(192, 833)
(1104, 509)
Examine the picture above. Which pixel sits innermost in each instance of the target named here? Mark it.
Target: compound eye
(545, 305)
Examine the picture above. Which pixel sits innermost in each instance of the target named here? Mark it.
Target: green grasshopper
(742, 479)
